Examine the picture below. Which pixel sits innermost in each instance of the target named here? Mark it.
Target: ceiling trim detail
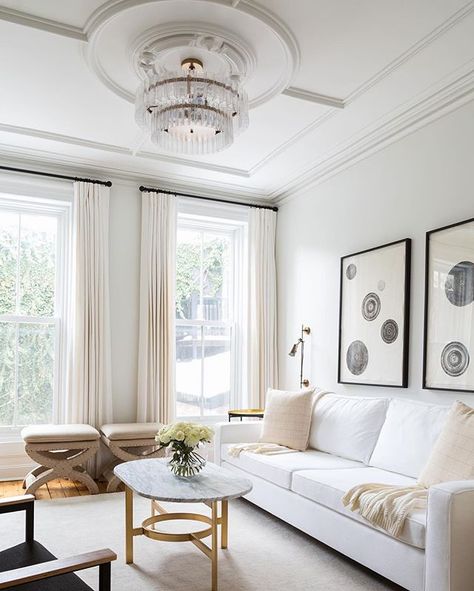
(57, 162)
(111, 148)
(314, 97)
(36, 22)
(448, 95)
(437, 32)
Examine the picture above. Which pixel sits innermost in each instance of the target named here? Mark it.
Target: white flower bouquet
(183, 439)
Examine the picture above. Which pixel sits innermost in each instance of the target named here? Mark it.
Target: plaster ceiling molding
(449, 94)
(246, 38)
(69, 164)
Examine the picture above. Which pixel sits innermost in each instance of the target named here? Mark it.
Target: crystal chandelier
(191, 111)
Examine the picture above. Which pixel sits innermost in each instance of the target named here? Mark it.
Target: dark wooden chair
(29, 566)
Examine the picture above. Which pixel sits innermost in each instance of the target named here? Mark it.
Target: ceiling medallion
(190, 111)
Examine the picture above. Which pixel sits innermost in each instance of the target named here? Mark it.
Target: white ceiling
(67, 77)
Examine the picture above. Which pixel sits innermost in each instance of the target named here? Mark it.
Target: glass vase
(183, 460)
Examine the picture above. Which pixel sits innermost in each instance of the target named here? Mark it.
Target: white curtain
(89, 385)
(156, 355)
(262, 334)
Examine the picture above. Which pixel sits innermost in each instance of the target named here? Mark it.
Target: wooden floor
(56, 489)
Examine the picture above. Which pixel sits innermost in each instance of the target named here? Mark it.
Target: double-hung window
(33, 253)
(210, 316)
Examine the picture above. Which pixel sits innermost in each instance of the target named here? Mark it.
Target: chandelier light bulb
(191, 111)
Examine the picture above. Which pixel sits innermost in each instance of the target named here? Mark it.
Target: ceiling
(329, 82)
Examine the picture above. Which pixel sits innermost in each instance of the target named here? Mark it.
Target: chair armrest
(450, 537)
(241, 432)
(11, 503)
(21, 503)
(53, 568)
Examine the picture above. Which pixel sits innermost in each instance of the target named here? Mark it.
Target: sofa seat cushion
(278, 468)
(327, 487)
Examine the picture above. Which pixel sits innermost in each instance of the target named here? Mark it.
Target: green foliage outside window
(27, 349)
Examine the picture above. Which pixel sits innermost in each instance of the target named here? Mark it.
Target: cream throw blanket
(259, 448)
(386, 506)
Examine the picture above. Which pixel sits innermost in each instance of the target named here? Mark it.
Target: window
(33, 247)
(209, 316)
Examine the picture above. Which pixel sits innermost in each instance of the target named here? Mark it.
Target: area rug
(264, 553)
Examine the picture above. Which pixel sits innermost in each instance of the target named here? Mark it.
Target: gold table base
(147, 529)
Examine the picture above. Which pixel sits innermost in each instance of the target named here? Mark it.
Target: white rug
(264, 553)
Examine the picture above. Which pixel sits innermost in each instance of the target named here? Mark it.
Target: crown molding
(58, 163)
(111, 148)
(440, 100)
(424, 42)
(314, 97)
(44, 24)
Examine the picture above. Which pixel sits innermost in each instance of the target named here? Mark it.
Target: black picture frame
(405, 315)
(426, 343)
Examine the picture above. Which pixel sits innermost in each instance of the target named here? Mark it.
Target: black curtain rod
(152, 190)
(57, 176)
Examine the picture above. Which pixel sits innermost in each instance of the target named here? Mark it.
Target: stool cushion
(59, 433)
(129, 431)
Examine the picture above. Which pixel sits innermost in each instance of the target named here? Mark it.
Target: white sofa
(352, 441)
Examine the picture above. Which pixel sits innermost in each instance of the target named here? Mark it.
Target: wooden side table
(247, 413)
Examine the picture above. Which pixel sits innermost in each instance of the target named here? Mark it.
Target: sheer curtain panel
(156, 355)
(89, 391)
(262, 363)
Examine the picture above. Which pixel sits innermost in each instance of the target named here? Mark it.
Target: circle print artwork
(455, 359)
(371, 306)
(459, 287)
(357, 358)
(381, 285)
(351, 271)
(389, 331)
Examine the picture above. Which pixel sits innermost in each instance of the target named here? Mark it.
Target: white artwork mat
(377, 290)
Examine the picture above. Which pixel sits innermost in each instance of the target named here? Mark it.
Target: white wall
(424, 181)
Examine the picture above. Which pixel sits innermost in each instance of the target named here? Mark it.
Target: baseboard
(14, 462)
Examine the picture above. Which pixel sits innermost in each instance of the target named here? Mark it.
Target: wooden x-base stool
(60, 451)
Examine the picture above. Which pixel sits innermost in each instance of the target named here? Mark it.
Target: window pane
(8, 261)
(188, 274)
(217, 370)
(216, 275)
(188, 371)
(36, 343)
(37, 265)
(7, 373)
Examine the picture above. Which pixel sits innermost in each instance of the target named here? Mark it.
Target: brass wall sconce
(305, 330)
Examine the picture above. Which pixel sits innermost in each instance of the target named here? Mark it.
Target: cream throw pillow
(288, 418)
(452, 457)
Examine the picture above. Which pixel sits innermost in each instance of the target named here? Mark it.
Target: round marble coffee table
(152, 479)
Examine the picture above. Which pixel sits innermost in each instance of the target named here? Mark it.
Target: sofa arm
(242, 432)
(450, 537)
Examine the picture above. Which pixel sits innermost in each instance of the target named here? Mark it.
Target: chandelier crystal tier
(191, 111)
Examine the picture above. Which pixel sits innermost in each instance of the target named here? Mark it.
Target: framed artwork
(374, 314)
(448, 362)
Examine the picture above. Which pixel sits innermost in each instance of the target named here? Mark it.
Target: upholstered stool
(60, 450)
(128, 441)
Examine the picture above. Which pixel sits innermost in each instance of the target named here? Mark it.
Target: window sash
(236, 231)
(62, 211)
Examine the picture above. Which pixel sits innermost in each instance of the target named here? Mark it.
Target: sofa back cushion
(347, 426)
(407, 436)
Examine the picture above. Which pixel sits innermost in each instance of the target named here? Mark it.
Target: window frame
(198, 217)
(61, 209)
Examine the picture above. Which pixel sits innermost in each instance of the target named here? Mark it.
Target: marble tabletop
(153, 479)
